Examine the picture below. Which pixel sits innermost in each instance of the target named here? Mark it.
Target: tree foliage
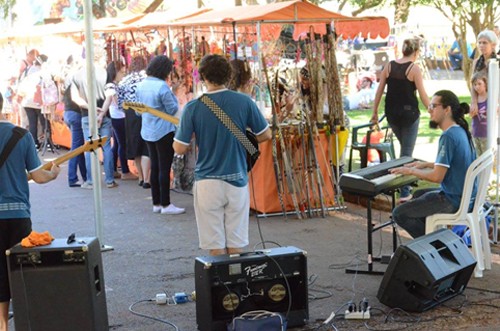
(6, 6)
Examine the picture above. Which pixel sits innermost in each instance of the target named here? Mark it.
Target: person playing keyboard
(455, 154)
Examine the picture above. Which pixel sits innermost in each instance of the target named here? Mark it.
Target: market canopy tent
(160, 19)
(299, 12)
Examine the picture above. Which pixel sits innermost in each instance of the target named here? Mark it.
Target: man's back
(14, 196)
(221, 155)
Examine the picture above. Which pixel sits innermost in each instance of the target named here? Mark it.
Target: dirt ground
(154, 253)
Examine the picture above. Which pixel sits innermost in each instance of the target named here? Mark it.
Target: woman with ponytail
(455, 154)
(403, 78)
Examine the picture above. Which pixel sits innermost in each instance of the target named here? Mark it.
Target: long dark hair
(112, 69)
(458, 110)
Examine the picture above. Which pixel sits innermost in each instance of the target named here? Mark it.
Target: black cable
(286, 282)
(131, 309)
(312, 280)
(482, 289)
(256, 218)
(25, 295)
(262, 242)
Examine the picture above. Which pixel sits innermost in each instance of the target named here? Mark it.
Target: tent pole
(493, 101)
(235, 42)
(259, 56)
(91, 101)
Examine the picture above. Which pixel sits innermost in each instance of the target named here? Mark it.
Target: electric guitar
(90, 145)
(142, 108)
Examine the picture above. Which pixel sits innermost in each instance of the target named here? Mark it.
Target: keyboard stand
(370, 230)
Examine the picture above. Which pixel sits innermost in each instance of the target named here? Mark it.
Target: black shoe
(75, 185)
(146, 185)
(141, 183)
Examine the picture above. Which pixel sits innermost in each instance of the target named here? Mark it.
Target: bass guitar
(142, 108)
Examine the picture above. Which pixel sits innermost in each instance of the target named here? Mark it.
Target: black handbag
(248, 140)
(258, 320)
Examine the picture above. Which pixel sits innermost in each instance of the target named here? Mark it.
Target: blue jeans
(120, 143)
(104, 130)
(456, 60)
(411, 215)
(407, 137)
(73, 120)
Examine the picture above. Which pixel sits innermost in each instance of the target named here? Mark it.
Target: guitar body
(251, 159)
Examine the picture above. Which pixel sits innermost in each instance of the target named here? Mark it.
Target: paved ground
(155, 253)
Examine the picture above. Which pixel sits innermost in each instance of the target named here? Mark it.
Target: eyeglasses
(432, 106)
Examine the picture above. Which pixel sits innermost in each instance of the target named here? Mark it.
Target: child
(479, 120)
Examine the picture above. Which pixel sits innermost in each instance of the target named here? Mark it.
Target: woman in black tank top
(403, 78)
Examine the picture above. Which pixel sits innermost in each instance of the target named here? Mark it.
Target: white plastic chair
(475, 220)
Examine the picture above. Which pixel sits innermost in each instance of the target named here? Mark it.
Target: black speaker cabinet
(426, 272)
(58, 287)
(273, 279)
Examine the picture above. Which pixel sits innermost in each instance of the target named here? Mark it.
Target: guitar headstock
(137, 106)
(91, 145)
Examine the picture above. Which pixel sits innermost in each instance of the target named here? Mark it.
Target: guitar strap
(229, 124)
(17, 134)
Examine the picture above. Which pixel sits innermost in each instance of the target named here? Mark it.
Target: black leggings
(161, 153)
(35, 115)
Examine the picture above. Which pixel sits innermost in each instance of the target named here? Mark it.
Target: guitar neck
(87, 147)
(142, 108)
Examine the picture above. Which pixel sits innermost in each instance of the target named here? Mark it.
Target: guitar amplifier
(272, 279)
(58, 287)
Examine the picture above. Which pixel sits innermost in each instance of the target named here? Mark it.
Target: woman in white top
(116, 71)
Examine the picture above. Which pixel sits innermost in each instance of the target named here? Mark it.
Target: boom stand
(47, 137)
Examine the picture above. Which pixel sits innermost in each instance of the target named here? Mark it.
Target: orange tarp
(262, 181)
(298, 12)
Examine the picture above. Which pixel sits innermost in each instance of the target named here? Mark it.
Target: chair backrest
(478, 174)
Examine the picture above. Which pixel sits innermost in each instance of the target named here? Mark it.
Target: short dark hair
(159, 67)
(215, 69)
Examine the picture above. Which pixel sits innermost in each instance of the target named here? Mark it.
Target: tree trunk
(402, 11)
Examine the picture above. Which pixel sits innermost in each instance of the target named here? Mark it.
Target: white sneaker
(87, 186)
(157, 209)
(172, 210)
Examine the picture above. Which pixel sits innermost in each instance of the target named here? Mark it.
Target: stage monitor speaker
(58, 287)
(426, 272)
(229, 285)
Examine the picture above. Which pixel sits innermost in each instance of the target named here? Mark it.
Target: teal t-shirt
(220, 154)
(14, 187)
(455, 153)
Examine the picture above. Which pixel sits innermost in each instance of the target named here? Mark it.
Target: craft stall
(297, 170)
